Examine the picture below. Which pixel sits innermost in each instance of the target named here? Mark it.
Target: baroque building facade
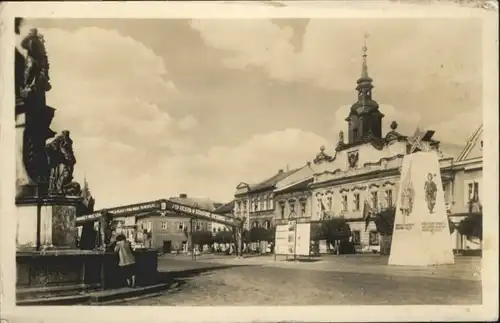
(365, 166)
(256, 202)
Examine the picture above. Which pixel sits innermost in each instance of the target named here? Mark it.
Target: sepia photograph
(258, 161)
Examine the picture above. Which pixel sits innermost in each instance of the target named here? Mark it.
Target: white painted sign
(421, 234)
(303, 239)
(281, 241)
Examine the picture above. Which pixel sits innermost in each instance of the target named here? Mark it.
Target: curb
(175, 287)
(101, 297)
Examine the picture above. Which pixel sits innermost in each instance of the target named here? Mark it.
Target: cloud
(459, 127)
(187, 123)
(113, 93)
(216, 173)
(407, 122)
(331, 50)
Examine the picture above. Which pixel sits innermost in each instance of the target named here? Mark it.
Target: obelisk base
(421, 235)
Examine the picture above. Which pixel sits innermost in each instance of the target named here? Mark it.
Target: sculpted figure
(407, 194)
(61, 162)
(36, 73)
(430, 192)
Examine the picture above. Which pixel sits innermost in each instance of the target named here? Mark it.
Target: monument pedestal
(421, 235)
(46, 223)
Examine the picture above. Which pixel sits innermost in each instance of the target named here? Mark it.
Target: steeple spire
(364, 118)
(364, 69)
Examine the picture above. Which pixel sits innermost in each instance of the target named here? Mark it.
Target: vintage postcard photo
(272, 154)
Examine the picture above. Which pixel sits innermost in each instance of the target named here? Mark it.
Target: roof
(271, 182)
(301, 185)
(225, 208)
(471, 143)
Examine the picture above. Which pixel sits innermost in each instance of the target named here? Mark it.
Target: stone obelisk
(421, 235)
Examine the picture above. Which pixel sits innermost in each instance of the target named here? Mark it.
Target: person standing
(127, 259)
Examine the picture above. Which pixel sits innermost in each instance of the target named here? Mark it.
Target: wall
(285, 200)
(460, 195)
(169, 228)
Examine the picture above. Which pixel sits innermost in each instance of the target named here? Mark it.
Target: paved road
(331, 281)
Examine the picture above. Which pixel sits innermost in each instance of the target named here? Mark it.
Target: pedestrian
(127, 259)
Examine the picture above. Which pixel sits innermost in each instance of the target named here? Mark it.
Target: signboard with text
(281, 241)
(303, 239)
(162, 206)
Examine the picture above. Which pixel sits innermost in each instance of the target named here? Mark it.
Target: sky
(159, 107)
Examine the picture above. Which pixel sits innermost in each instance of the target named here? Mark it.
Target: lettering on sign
(407, 226)
(201, 213)
(134, 208)
(433, 226)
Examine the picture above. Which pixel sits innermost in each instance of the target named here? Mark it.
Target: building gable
(473, 147)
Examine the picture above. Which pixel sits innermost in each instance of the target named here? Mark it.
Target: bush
(271, 234)
(202, 238)
(224, 237)
(452, 226)
(471, 227)
(384, 221)
(335, 229)
(258, 234)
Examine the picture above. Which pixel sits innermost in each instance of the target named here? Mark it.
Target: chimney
(280, 171)
(183, 196)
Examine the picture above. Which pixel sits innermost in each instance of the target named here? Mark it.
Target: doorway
(167, 246)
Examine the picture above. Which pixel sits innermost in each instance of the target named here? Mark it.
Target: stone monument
(46, 198)
(421, 235)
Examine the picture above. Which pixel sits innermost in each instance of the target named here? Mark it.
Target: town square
(249, 162)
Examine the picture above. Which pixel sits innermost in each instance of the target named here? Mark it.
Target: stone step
(127, 292)
(99, 297)
(55, 291)
(58, 300)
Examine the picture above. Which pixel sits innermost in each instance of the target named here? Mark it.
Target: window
(254, 224)
(197, 226)
(292, 208)
(181, 226)
(271, 203)
(375, 200)
(356, 237)
(244, 206)
(218, 229)
(374, 238)
(214, 230)
(473, 193)
(344, 202)
(329, 202)
(282, 210)
(388, 194)
(266, 206)
(355, 133)
(267, 224)
(149, 225)
(164, 225)
(356, 202)
(255, 206)
(303, 207)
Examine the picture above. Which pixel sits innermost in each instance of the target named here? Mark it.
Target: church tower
(365, 119)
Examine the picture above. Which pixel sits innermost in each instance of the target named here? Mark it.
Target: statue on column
(36, 73)
(61, 163)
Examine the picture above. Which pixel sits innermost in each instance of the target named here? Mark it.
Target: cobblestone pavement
(361, 280)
